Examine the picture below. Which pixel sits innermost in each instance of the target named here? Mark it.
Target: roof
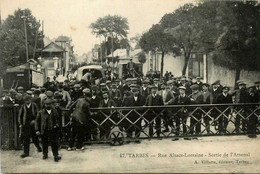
(121, 53)
(53, 47)
(63, 39)
(99, 67)
(20, 68)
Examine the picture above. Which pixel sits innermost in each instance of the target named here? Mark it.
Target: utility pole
(101, 56)
(26, 44)
(112, 50)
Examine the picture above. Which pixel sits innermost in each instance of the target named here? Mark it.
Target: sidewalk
(221, 154)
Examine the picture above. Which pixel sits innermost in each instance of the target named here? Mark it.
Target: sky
(73, 17)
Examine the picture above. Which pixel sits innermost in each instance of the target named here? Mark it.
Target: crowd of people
(40, 108)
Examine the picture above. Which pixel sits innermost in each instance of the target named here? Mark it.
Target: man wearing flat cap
(257, 88)
(154, 99)
(224, 98)
(181, 114)
(76, 93)
(241, 96)
(115, 94)
(106, 102)
(26, 119)
(199, 83)
(253, 119)
(144, 89)
(196, 98)
(134, 100)
(46, 126)
(81, 120)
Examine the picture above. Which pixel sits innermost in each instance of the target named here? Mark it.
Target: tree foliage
(142, 57)
(191, 28)
(112, 27)
(156, 40)
(12, 36)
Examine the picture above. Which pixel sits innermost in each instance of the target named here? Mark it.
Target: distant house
(121, 59)
(56, 57)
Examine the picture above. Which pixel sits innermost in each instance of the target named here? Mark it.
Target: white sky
(73, 17)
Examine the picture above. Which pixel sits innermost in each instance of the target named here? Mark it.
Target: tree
(238, 41)
(142, 57)
(190, 27)
(110, 26)
(157, 40)
(12, 36)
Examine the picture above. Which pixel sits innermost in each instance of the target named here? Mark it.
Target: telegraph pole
(26, 44)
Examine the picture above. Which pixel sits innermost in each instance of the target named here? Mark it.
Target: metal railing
(116, 125)
(122, 124)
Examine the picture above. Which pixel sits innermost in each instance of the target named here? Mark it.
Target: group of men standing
(40, 109)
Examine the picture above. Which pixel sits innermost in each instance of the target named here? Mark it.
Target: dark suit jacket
(131, 102)
(110, 103)
(41, 120)
(158, 101)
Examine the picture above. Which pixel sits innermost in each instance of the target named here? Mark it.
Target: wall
(214, 72)
(227, 76)
(171, 64)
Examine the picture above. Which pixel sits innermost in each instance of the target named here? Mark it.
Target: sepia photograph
(130, 86)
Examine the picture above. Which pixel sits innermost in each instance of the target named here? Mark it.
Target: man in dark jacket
(181, 114)
(47, 84)
(81, 120)
(241, 96)
(46, 125)
(215, 91)
(26, 119)
(252, 122)
(134, 100)
(224, 98)
(154, 99)
(195, 119)
(106, 102)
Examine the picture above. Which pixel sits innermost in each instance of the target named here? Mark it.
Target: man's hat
(12, 91)
(241, 83)
(37, 92)
(182, 87)
(20, 88)
(146, 81)
(251, 87)
(205, 84)
(102, 84)
(257, 83)
(117, 80)
(134, 79)
(128, 79)
(169, 82)
(94, 87)
(198, 77)
(225, 87)
(155, 79)
(27, 97)
(108, 82)
(153, 87)
(86, 91)
(216, 83)
(194, 87)
(32, 89)
(163, 84)
(48, 101)
(29, 92)
(76, 86)
(49, 93)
